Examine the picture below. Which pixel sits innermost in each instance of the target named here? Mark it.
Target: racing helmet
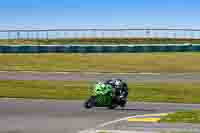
(118, 84)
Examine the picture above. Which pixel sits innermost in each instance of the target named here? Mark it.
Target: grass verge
(80, 90)
(183, 117)
(143, 62)
(101, 41)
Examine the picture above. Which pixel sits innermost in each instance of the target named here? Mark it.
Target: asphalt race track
(133, 77)
(40, 116)
(48, 116)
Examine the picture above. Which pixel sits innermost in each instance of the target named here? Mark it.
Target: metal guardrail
(100, 33)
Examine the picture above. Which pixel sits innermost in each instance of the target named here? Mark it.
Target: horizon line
(102, 29)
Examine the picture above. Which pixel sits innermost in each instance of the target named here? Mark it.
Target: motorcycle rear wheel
(90, 103)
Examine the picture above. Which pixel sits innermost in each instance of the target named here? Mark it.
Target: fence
(97, 48)
(100, 33)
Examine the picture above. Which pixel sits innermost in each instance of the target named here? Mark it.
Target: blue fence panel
(195, 48)
(28, 49)
(98, 48)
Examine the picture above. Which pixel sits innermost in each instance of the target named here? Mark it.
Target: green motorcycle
(103, 96)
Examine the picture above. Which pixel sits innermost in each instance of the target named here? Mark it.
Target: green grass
(44, 89)
(142, 62)
(183, 117)
(80, 90)
(101, 41)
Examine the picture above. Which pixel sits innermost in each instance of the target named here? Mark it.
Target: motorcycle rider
(120, 89)
(116, 89)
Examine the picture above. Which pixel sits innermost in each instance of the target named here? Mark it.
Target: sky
(51, 14)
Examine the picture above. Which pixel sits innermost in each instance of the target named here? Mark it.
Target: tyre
(113, 106)
(90, 103)
(123, 103)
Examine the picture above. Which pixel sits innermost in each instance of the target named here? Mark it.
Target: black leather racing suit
(122, 91)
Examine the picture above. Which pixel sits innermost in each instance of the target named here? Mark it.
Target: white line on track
(120, 131)
(93, 130)
(98, 73)
(142, 73)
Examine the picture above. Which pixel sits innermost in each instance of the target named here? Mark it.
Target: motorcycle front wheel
(123, 103)
(114, 103)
